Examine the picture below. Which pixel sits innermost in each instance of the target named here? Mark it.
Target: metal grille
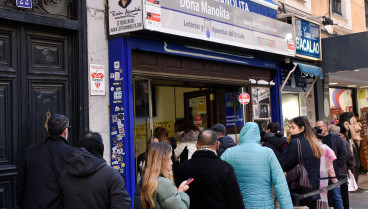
(64, 9)
(336, 6)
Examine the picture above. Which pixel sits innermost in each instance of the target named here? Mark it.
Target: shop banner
(217, 22)
(125, 16)
(263, 7)
(307, 39)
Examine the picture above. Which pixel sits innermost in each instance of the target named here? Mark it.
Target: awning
(310, 70)
(344, 53)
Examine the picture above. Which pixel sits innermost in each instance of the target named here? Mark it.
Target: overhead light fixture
(351, 85)
(356, 70)
(364, 87)
(333, 83)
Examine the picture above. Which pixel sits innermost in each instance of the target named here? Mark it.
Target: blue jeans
(336, 197)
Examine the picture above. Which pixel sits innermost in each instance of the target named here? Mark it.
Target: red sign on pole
(244, 98)
(198, 120)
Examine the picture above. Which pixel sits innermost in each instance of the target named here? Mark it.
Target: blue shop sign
(263, 7)
(307, 39)
(24, 3)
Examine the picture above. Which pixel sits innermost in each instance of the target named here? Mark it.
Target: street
(359, 199)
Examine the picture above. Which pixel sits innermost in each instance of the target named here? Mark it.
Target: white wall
(98, 54)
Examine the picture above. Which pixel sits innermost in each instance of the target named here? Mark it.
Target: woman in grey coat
(157, 189)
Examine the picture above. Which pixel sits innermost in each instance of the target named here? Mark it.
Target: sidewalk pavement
(359, 199)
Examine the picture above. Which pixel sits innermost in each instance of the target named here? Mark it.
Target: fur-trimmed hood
(187, 136)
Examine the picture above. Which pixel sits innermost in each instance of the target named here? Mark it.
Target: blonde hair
(309, 136)
(156, 154)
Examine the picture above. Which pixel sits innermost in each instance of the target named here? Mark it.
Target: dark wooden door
(35, 78)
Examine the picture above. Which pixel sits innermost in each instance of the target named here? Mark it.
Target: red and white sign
(198, 120)
(244, 98)
(97, 74)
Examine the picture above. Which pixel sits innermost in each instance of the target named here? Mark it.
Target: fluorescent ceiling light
(333, 83)
(351, 85)
(363, 87)
(356, 70)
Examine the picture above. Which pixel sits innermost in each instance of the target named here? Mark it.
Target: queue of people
(201, 169)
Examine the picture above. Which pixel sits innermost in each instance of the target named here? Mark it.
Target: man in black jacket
(225, 141)
(336, 143)
(42, 165)
(215, 184)
(88, 182)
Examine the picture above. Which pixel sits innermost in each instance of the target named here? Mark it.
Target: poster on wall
(233, 106)
(117, 118)
(261, 95)
(261, 103)
(97, 77)
(125, 16)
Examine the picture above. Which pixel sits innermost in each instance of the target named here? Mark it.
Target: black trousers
(345, 195)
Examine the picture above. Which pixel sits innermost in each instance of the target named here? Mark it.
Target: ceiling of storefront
(357, 77)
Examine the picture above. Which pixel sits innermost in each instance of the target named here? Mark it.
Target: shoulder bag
(297, 178)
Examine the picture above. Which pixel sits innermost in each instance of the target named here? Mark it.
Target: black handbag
(297, 178)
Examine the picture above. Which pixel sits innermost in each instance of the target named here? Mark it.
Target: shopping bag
(352, 186)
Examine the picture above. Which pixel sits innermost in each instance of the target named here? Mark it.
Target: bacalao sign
(307, 39)
(207, 20)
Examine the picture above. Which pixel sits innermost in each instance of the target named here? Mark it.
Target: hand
(183, 186)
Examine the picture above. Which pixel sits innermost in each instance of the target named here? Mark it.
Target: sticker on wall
(117, 138)
(97, 79)
(118, 95)
(198, 120)
(117, 76)
(116, 65)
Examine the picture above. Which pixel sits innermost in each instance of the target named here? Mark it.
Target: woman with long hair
(311, 154)
(156, 189)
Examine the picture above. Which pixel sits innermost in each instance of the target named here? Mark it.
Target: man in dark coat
(215, 184)
(88, 182)
(42, 165)
(225, 141)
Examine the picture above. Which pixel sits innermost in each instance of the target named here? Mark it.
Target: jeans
(336, 197)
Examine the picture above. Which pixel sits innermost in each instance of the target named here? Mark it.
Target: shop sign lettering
(307, 39)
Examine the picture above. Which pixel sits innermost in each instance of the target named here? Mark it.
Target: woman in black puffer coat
(274, 139)
(311, 154)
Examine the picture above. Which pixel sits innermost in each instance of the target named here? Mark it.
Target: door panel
(35, 78)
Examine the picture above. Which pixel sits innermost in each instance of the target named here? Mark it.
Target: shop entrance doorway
(159, 103)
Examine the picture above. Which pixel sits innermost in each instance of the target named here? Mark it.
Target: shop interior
(159, 103)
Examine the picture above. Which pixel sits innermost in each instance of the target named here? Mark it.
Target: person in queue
(311, 154)
(274, 139)
(336, 143)
(156, 189)
(215, 184)
(257, 170)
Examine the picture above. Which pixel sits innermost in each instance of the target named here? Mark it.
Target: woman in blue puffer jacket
(257, 169)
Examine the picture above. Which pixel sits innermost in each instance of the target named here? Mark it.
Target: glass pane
(142, 130)
(290, 109)
(198, 111)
